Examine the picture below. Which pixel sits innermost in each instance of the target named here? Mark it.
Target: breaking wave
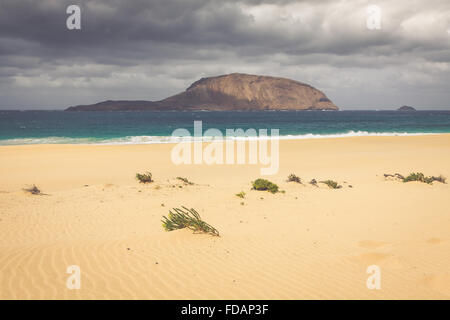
(130, 140)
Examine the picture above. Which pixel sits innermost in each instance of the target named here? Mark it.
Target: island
(229, 92)
(406, 108)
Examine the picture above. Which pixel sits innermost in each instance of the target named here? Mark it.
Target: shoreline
(308, 136)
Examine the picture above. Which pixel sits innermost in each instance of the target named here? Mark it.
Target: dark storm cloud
(138, 49)
(116, 24)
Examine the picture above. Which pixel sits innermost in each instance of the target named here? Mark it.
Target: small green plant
(265, 185)
(242, 203)
(418, 176)
(33, 190)
(332, 184)
(185, 180)
(144, 177)
(187, 218)
(241, 194)
(293, 178)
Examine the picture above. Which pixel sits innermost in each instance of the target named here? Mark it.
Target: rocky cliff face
(406, 108)
(231, 92)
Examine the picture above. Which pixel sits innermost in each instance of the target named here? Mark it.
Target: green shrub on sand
(332, 184)
(187, 218)
(241, 194)
(265, 185)
(144, 177)
(419, 176)
(293, 178)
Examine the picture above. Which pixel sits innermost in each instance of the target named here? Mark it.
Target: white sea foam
(131, 140)
(47, 140)
(352, 134)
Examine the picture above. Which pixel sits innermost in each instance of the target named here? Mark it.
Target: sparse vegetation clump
(33, 190)
(241, 194)
(313, 182)
(293, 178)
(396, 175)
(419, 176)
(265, 185)
(332, 184)
(144, 177)
(185, 180)
(187, 218)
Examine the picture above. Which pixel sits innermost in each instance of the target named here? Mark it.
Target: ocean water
(46, 127)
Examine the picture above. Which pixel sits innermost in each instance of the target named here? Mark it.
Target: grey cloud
(140, 49)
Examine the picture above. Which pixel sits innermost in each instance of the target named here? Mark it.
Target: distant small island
(406, 108)
(230, 92)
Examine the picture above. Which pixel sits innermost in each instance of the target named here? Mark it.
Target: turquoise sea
(39, 127)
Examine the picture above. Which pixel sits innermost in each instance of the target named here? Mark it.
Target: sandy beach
(307, 243)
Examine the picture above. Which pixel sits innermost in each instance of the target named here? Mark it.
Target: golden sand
(309, 242)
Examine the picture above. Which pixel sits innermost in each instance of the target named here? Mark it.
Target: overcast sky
(148, 50)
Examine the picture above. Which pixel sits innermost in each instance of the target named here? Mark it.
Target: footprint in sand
(107, 186)
(370, 244)
(438, 282)
(385, 260)
(434, 240)
(372, 257)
